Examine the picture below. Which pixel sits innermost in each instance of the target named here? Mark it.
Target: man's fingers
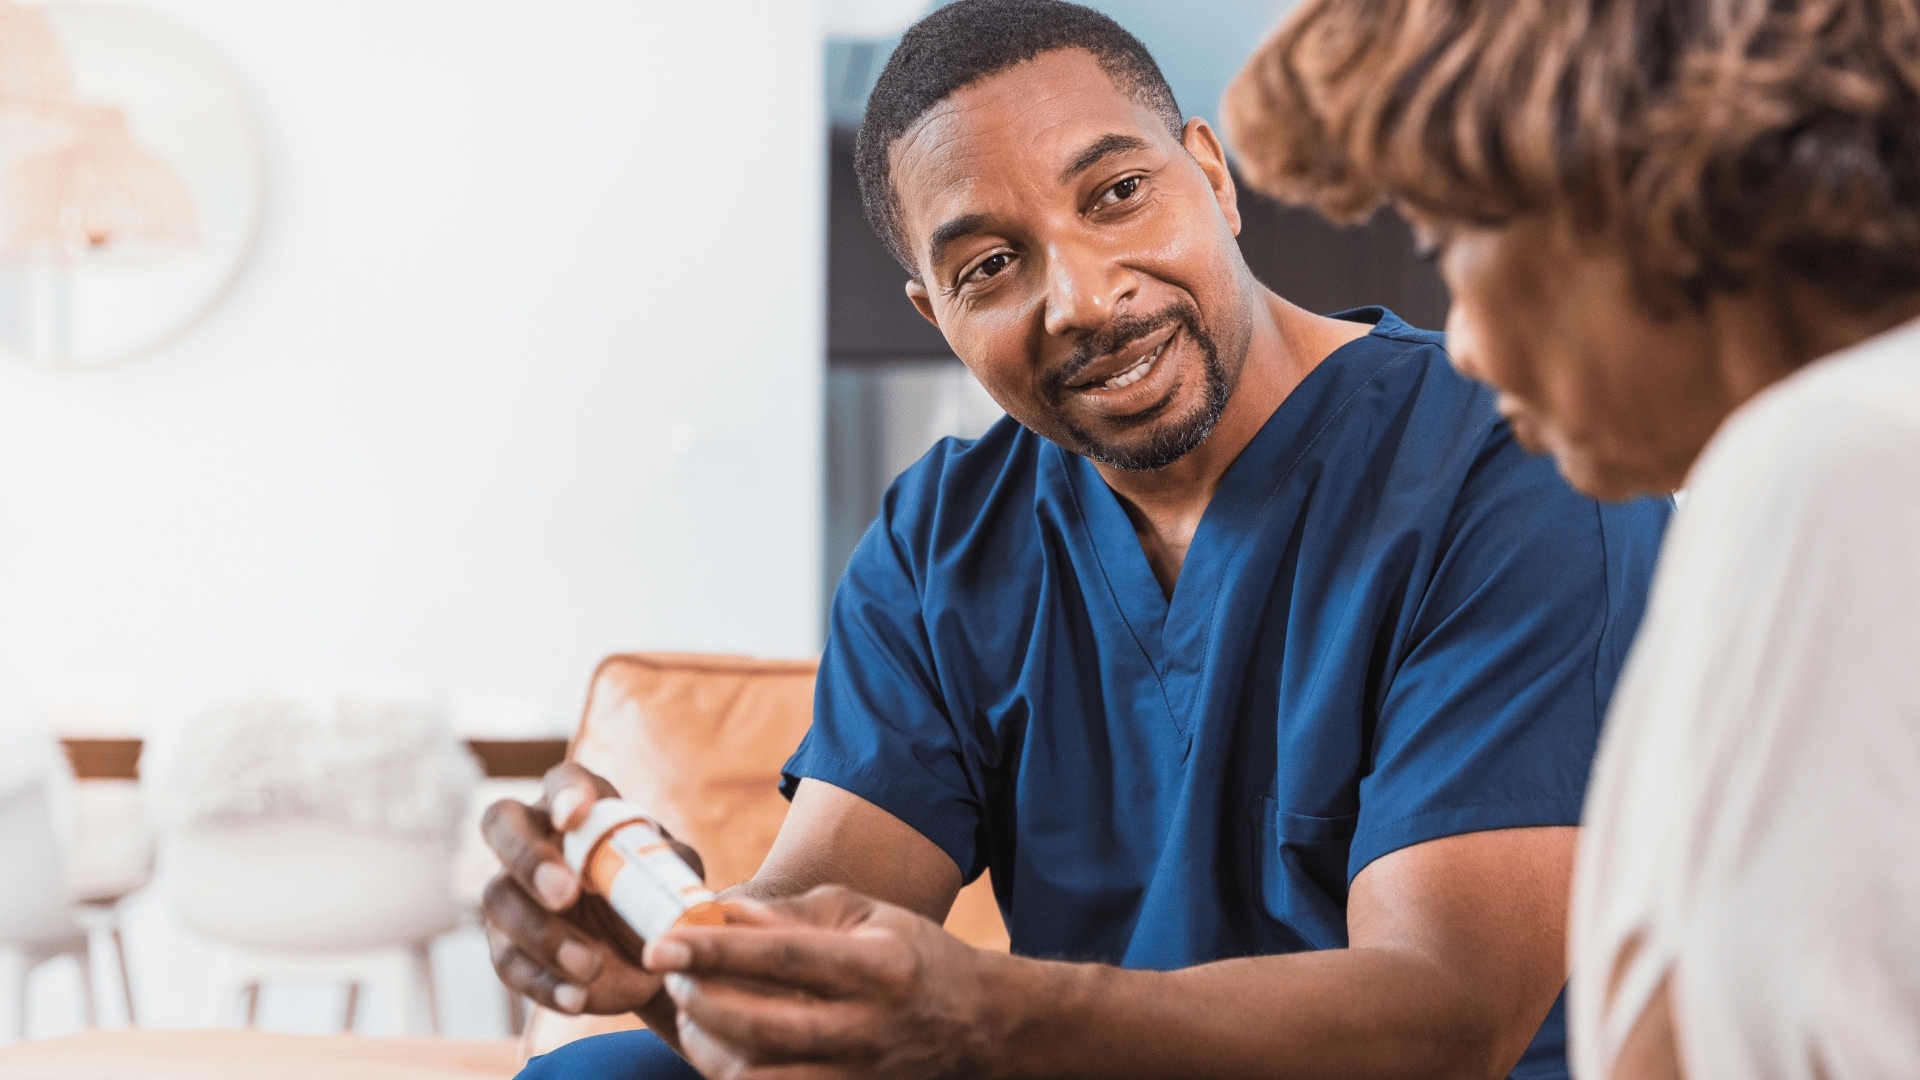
(830, 963)
(570, 791)
(718, 1060)
(767, 1028)
(547, 939)
(553, 960)
(523, 837)
(527, 975)
(709, 1057)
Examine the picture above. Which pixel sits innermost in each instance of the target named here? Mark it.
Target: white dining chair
(304, 900)
(36, 912)
(312, 841)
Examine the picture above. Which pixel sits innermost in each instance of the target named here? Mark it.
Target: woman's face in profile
(1623, 400)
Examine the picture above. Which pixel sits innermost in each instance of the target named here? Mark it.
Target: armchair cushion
(699, 741)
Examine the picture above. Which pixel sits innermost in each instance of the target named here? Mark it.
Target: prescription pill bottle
(620, 854)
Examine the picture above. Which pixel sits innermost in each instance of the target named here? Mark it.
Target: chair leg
(84, 957)
(126, 980)
(353, 1006)
(422, 954)
(253, 1003)
(13, 977)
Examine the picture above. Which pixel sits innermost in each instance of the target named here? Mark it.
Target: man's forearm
(1461, 952)
(1343, 1012)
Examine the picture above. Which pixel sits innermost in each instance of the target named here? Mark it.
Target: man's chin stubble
(1163, 447)
(1172, 440)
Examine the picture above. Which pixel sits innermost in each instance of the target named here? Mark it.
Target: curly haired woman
(1683, 240)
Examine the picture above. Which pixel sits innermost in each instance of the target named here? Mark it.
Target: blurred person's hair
(965, 42)
(1715, 140)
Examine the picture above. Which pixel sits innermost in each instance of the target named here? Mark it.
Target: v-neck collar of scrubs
(1174, 633)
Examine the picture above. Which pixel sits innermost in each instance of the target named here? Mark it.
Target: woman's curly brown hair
(1715, 139)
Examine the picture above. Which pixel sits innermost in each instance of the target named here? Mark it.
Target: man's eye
(1121, 191)
(990, 266)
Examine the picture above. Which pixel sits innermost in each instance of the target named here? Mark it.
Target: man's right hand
(563, 948)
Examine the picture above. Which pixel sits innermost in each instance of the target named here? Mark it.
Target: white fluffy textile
(381, 765)
(29, 754)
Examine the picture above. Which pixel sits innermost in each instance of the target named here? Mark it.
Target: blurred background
(551, 331)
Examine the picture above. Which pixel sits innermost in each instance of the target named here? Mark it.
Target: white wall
(525, 368)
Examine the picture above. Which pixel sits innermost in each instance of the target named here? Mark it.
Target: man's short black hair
(967, 41)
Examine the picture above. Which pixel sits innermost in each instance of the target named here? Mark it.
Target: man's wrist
(1009, 987)
(1040, 1015)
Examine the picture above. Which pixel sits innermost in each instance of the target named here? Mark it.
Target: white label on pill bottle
(618, 852)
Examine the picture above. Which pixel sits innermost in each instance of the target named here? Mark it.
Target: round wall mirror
(131, 181)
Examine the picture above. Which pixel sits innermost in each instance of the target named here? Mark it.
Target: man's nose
(1084, 286)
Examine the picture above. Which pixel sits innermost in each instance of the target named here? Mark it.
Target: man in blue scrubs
(1250, 653)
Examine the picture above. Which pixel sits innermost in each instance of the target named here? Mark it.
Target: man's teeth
(1135, 373)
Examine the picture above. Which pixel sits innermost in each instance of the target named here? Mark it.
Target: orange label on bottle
(603, 866)
(714, 913)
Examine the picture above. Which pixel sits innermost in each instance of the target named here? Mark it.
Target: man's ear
(923, 300)
(1205, 147)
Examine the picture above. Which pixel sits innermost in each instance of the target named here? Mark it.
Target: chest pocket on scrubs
(1301, 865)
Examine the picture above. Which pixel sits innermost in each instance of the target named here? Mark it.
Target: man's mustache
(1117, 333)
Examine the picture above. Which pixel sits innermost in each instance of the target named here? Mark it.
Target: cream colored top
(1753, 826)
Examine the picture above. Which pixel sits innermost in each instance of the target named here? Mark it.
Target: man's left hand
(835, 984)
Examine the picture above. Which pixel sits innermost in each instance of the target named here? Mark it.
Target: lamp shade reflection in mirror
(131, 181)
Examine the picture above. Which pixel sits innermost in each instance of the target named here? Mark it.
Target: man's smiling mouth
(1137, 372)
(1129, 375)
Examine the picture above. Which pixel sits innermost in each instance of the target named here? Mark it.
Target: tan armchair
(699, 740)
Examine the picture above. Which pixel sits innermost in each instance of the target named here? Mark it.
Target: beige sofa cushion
(699, 740)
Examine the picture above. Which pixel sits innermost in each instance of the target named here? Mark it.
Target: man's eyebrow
(1100, 149)
(946, 234)
(966, 224)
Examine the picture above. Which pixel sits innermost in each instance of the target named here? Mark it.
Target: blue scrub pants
(620, 1055)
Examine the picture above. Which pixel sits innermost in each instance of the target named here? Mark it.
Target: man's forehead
(1024, 124)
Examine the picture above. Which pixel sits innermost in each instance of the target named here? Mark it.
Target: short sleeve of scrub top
(1393, 625)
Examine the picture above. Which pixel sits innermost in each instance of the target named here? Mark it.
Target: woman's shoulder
(1879, 377)
(1833, 430)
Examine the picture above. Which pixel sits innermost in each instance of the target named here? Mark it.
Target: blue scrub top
(1392, 625)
